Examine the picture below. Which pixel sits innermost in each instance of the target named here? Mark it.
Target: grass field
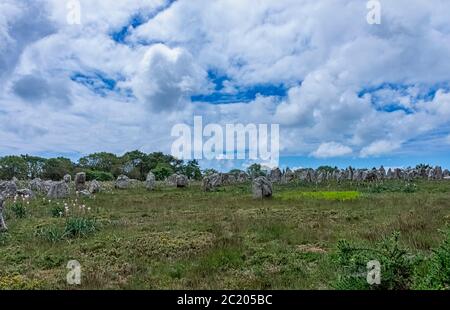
(188, 239)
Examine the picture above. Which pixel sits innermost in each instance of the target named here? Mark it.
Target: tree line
(101, 166)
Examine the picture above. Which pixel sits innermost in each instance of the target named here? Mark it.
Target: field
(188, 239)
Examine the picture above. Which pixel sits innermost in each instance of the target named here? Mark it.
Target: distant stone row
(353, 174)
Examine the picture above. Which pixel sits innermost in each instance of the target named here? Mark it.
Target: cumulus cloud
(166, 76)
(331, 149)
(371, 89)
(380, 147)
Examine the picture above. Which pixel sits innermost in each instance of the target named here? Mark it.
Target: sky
(343, 91)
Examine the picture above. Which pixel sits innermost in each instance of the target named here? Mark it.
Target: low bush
(397, 266)
(99, 176)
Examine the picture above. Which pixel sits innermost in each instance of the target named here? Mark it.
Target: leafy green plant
(19, 209)
(51, 234)
(101, 176)
(436, 273)
(77, 227)
(57, 210)
(397, 266)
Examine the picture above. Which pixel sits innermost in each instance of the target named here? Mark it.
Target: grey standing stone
(26, 192)
(8, 189)
(2, 220)
(122, 182)
(80, 181)
(58, 190)
(67, 178)
(275, 175)
(178, 180)
(210, 182)
(150, 181)
(94, 187)
(262, 188)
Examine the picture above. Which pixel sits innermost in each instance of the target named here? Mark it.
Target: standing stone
(122, 182)
(275, 175)
(80, 181)
(288, 176)
(150, 181)
(178, 180)
(242, 177)
(261, 188)
(36, 185)
(67, 178)
(26, 192)
(85, 193)
(438, 174)
(58, 190)
(2, 220)
(210, 182)
(8, 189)
(228, 178)
(94, 187)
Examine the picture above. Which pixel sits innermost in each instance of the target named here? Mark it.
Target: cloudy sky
(343, 91)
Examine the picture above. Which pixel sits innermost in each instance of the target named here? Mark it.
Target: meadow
(307, 236)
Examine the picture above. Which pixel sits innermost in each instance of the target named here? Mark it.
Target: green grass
(325, 195)
(184, 238)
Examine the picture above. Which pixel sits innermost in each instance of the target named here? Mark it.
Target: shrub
(51, 234)
(19, 209)
(397, 267)
(436, 274)
(77, 227)
(99, 176)
(57, 210)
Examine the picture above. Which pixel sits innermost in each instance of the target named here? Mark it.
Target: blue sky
(344, 92)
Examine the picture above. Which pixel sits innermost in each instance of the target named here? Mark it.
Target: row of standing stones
(261, 186)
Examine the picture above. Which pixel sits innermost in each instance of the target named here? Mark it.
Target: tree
(56, 168)
(103, 161)
(328, 169)
(13, 166)
(135, 164)
(162, 171)
(35, 166)
(210, 171)
(255, 171)
(192, 170)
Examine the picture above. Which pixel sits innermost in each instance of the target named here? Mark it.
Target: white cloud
(380, 147)
(331, 149)
(324, 53)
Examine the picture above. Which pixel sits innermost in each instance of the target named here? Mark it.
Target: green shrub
(436, 273)
(19, 209)
(77, 227)
(101, 176)
(51, 234)
(397, 267)
(57, 210)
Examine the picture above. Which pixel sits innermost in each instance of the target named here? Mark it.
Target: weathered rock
(212, 181)
(228, 178)
(80, 181)
(8, 189)
(150, 181)
(261, 188)
(178, 180)
(288, 176)
(85, 193)
(94, 187)
(26, 192)
(58, 190)
(122, 182)
(36, 185)
(242, 177)
(275, 175)
(67, 178)
(2, 220)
